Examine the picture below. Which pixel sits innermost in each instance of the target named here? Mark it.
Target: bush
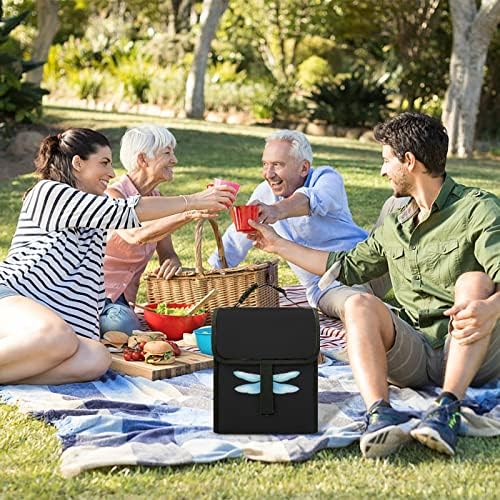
(356, 101)
(313, 71)
(278, 103)
(19, 101)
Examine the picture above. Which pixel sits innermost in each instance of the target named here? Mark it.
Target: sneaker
(383, 436)
(439, 427)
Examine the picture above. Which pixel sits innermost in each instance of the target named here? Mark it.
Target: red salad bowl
(173, 327)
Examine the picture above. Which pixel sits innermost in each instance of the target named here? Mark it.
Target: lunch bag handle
(256, 286)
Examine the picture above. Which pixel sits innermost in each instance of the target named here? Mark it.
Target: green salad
(162, 308)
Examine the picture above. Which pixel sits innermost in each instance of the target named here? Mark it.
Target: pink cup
(241, 214)
(223, 182)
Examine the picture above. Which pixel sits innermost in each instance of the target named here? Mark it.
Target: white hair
(300, 146)
(146, 139)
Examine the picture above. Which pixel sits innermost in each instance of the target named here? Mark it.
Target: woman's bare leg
(34, 341)
(90, 362)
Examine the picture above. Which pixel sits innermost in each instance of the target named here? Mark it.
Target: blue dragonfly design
(278, 379)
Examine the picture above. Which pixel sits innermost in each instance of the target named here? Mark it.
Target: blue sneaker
(383, 436)
(439, 427)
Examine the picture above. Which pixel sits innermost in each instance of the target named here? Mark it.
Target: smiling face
(282, 170)
(93, 174)
(162, 164)
(396, 171)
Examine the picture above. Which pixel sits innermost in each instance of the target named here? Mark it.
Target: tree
(473, 29)
(48, 25)
(19, 100)
(195, 97)
(179, 16)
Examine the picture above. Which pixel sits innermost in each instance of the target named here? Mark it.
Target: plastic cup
(223, 182)
(241, 214)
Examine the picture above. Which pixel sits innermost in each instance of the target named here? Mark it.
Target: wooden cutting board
(187, 362)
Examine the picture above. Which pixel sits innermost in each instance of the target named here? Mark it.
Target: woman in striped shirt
(51, 283)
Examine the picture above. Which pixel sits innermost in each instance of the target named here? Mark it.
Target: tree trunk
(195, 85)
(472, 33)
(48, 25)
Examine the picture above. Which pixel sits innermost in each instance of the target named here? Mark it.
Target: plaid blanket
(122, 420)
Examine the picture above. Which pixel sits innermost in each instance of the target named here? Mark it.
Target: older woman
(147, 153)
(51, 283)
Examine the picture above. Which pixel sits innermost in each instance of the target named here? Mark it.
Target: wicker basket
(192, 285)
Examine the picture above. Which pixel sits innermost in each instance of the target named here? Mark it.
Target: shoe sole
(383, 442)
(430, 437)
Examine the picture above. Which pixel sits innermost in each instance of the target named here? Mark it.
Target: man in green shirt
(442, 252)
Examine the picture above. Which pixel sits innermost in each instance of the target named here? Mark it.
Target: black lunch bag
(265, 369)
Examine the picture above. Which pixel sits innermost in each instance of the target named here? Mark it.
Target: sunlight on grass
(29, 449)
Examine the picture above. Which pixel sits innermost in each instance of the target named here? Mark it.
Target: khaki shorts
(412, 361)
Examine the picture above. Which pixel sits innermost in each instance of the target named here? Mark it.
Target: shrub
(279, 104)
(19, 101)
(313, 71)
(356, 101)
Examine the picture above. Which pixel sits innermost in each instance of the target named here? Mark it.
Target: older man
(304, 204)
(442, 254)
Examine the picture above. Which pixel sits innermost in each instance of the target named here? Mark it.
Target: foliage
(30, 450)
(284, 46)
(356, 101)
(273, 32)
(19, 100)
(313, 71)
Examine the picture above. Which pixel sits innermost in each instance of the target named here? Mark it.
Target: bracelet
(185, 202)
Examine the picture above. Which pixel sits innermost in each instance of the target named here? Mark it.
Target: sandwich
(135, 341)
(158, 352)
(114, 340)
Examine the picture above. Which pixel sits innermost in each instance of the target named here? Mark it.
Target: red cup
(241, 214)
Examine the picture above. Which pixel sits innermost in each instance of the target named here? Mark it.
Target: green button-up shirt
(424, 260)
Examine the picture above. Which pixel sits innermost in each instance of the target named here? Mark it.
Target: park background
(222, 75)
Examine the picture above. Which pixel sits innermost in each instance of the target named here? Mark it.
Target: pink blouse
(124, 263)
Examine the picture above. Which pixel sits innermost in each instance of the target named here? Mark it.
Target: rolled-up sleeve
(485, 233)
(327, 195)
(364, 262)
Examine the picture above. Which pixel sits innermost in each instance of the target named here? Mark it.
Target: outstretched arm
(296, 205)
(265, 238)
(215, 198)
(156, 230)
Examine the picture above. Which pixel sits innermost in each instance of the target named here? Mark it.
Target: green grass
(29, 449)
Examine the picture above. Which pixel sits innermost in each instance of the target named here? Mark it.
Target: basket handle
(197, 245)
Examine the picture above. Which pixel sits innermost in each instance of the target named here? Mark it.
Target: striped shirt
(56, 255)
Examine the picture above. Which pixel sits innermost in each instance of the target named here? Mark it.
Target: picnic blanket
(122, 420)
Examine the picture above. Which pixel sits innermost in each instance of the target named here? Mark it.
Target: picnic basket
(191, 285)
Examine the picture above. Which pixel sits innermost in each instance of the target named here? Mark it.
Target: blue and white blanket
(129, 420)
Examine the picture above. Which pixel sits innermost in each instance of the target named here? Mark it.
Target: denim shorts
(119, 316)
(5, 291)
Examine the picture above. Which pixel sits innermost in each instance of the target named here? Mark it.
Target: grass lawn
(29, 449)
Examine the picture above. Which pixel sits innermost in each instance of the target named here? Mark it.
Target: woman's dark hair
(56, 152)
(419, 134)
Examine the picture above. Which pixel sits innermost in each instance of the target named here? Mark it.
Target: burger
(158, 352)
(115, 340)
(135, 341)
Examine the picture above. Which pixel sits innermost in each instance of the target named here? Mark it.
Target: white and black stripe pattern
(56, 255)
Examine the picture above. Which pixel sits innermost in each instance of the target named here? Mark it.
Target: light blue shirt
(329, 226)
